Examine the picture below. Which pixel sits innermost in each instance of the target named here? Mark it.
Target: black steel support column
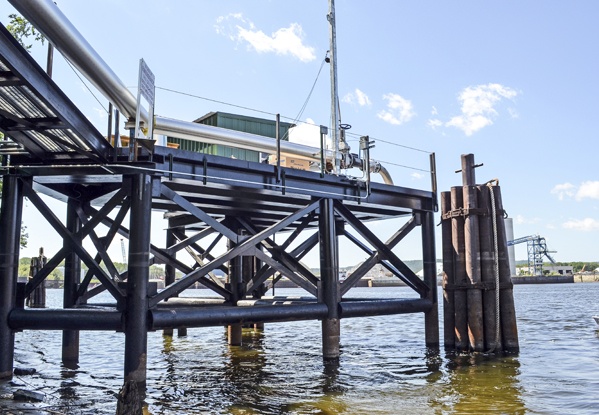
(72, 279)
(329, 292)
(10, 236)
(253, 265)
(235, 277)
(169, 270)
(136, 310)
(429, 258)
(170, 273)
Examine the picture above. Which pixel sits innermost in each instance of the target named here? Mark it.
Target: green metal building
(252, 125)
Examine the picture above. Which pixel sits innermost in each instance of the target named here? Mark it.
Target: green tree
(22, 30)
(24, 265)
(56, 274)
(156, 272)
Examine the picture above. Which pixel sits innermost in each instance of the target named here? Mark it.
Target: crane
(537, 249)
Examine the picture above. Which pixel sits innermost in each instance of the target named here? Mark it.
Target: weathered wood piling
(479, 312)
(37, 299)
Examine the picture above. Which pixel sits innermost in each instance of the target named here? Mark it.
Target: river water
(384, 366)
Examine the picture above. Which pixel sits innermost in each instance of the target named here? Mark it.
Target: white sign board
(146, 89)
(146, 82)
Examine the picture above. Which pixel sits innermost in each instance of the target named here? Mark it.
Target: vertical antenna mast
(334, 89)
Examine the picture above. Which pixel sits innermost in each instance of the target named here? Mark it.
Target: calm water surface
(384, 367)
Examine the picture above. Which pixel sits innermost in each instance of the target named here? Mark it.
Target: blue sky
(514, 82)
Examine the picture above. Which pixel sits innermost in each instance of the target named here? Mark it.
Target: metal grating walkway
(37, 116)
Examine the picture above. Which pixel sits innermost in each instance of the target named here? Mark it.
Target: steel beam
(278, 253)
(83, 293)
(385, 252)
(375, 257)
(10, 223)
(71, 319)
(329, 280)
(262, 179)
(298, 253)
(73, 240)
(235, 282)
(429, 263)
(384, 307)
(240, 249)
(225, 315)
(136, 309)
(31, 74)
(72, 278)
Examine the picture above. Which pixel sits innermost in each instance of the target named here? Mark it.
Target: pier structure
(269, 216)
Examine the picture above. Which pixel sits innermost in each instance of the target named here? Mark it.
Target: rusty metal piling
(476, 268)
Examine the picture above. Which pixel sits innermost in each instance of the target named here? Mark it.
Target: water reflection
(482, 384)
(245, 380)
(433, 362)
(330, 378)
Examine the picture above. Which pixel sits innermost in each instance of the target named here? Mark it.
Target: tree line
(156, 272)
(580, 266)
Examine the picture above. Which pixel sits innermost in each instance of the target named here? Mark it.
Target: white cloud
(585, 225)
(434, 123)
(434, 111)
(357, 98)
(306, 133)
(416, 176)
(520, 220)
(478, 106)
(563, 190)
(399, 110)
(588, 190)
(97, 114)
(100, 112)
(285, 41)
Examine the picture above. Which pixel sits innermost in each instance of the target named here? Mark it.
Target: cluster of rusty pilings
(477, 317)
(37, 299)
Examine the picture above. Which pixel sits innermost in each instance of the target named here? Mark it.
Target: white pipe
(215, 135)
(384, 173)
(509, 233)
(65, 37)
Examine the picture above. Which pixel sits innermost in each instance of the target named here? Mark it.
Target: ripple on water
(384, 368)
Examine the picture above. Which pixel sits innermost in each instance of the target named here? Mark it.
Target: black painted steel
(72, 278)
(382, 307)
(10, 223)
(429, 262)
(72, 241)
(329, 280)
(329, 261)
(375, 257)
(65, 319)
(394, 261)
(251, 204)
(136, 309)
(224, 315)
(56, 129)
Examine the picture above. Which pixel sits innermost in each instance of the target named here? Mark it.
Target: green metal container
(251, 125)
